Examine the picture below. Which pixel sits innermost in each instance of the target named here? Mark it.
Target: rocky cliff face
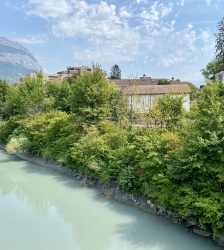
(15, 61)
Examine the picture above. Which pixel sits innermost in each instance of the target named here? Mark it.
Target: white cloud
(153, 16)
(12, 6)
(33, 39)
(166, 10)
(141, 1)
(181, 3)
(178, 47)
(124, 12)
(205, 36)
(106, 33)
(125, 34)
(208, 2)
(49, 9)
(183, 46)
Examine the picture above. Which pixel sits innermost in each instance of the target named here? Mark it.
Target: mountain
(15, 61)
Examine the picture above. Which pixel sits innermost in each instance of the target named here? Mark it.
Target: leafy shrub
(163, 82)
(8, 127)
(18, 144)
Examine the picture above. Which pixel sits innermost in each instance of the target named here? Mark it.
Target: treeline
(84, 124)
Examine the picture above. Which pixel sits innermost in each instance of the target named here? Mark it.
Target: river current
(42, 209)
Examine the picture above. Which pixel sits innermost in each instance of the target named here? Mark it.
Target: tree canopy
(211, 69)
(217, 64)
(115, 72)
(90, 96)
(220, 44)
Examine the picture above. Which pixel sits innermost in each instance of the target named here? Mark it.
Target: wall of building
(142, 103)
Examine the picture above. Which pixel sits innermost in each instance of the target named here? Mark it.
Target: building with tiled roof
(142, 92)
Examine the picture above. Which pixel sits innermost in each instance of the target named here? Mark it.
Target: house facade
(142, 97)
(141, 93)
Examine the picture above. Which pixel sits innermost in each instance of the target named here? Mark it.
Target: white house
(141, 97)
(142, 92)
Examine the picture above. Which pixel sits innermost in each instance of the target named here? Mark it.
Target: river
(42, 209)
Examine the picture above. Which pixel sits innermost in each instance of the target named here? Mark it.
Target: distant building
(62, 75)
(73, 71)
(219, 76)
(142, 92)
(121, 83)
(46, 77)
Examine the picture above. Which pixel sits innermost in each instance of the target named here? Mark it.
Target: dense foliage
(163, 82)
(210, 70)
(115, 72)
(83, 123)
(217, 64)
(219, 44)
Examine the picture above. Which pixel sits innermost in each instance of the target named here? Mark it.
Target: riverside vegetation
(83, 123)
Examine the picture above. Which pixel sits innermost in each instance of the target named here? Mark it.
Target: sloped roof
(141, 81)
(156, 89)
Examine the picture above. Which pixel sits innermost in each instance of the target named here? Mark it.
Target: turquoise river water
(42, 209)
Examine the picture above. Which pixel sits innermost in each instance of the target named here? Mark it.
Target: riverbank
(112, 190)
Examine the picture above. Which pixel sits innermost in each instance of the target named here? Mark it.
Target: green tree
(115, 72)
(167, 111)
(211, 69)
(194, 91)
(60, 92)
(25, 98)
(163, 82)
(4, 90)
(118, 106)
(199, 160)
(90, 96)
(220, 44)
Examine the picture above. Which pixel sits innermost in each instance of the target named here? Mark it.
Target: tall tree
(90, 95)
(118, 106)
(60, 92)
(4, 89)
(220, 44)
(211, 69)
(26, 98)
(115, 72)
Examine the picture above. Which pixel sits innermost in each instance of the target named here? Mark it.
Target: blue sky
(157, 38)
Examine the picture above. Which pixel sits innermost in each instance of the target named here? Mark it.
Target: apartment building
(46, 77)
(61, 76)
(73, 71)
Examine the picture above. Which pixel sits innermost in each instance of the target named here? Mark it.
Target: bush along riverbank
(112, 190)
(176, 166)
